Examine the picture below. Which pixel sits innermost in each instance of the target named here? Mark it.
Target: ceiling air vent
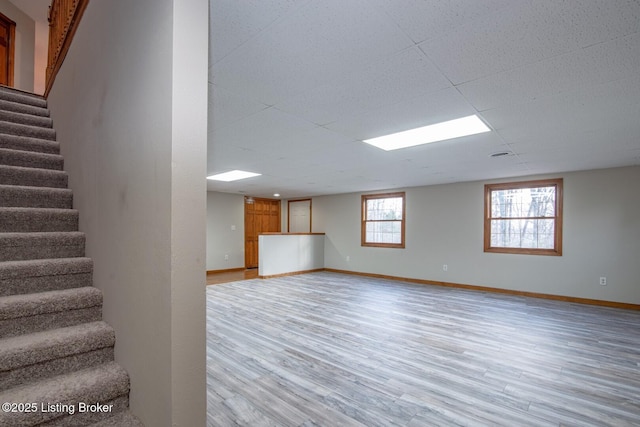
(500, 154)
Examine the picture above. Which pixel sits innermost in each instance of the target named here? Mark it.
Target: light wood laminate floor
(216, 278)
(326, 349)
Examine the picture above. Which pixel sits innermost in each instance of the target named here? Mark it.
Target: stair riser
(50, 267)
(27, 131)
(27, 285)
(60, 366)
(33, 177)
(23, 108)
(13, 142)
(40, 246)
(22, 253)
(30, 160)
(38, 221)
(22, 98)
(35, 198)
(25, 119)
(43, 322)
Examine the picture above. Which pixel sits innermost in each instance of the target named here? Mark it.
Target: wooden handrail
(64, 18)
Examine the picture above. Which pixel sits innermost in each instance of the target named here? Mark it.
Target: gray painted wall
(224, 211)
(23, 71)
(445, 226)
(129, 108)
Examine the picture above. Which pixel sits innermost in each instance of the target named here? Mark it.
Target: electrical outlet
(445, 267)
(603, 281)
(226, 257)
(348, 258)
(233, 228)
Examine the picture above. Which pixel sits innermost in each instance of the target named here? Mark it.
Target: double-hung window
(524, 217)
(383, 220)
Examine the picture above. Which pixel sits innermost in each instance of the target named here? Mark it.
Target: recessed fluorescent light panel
(464, 126)
(232, 176)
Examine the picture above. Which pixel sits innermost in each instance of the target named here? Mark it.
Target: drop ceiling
(295, 86)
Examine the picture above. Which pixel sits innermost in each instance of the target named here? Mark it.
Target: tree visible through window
(524, 217)
(383, 220)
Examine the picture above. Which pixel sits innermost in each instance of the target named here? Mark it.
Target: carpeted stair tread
(123, 419)
(104, 383)
(41, 245)
(31, 159)
(14, 95)
(32, 220)
(35, 197)
(24, 143)
(42, 275)
(46, 321)
(44, 268)
(15, 306)
(39, 355)
(19, 107)
(39, 347)
(26, 119)
(37, 312)
(27, 130)
(51, 368)
(33, 177)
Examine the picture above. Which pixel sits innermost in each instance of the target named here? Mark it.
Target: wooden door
(260, 216)
(7, 37)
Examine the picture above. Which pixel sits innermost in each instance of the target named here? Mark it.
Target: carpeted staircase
(56, 353)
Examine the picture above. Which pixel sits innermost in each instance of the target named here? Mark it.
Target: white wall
(23, 71)
(224, 211)
(290, 253)
(129, 107)
(445, 226)
(188, 211)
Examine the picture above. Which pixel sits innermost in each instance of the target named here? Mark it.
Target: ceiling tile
(308, 47)
(529, 32)
(605, 62)
(391, 80)
(226, 107)
(422, 20)
(261, 131)
(233, 23)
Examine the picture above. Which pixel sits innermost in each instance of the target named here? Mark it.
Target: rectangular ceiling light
(232, 176)
(464, 126)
